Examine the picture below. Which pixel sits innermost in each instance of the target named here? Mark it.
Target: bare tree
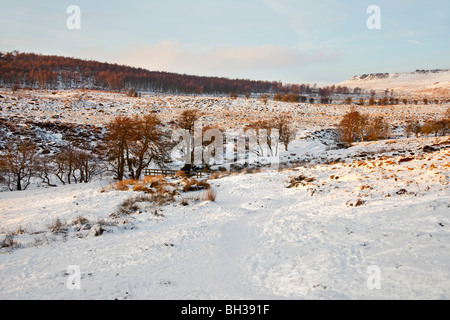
(427, 128)
(286, 130)
(149, 143)
(116, 144)
(86, 164)
(66, 163)
(131, 144)
(263, 135)
(186, 121)
(45, 169)
(264, 98)
(415, 127)
(18, 164)
(377, 128)
(349, 127)
(187, 118)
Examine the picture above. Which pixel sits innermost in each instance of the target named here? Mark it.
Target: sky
(293, 41)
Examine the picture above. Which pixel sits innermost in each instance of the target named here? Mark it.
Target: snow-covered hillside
(432, 82)
(331, 223)
(315, 231)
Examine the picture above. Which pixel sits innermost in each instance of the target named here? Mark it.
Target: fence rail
(171, 173)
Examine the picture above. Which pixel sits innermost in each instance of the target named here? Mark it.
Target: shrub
(286, 130)
(184, 202)
(215, 175)
(8, 242)
(81, 223)
(194, 185)
(80, 220)
(98, 231)
(57, 226)
(128, 206)
(124, 184)
(163, 196)
(186, 199)
(300, 180)
(132, 93)
(139, 187)
(154, 181)
(180, 174)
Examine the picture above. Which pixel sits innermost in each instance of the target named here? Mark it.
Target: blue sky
(295, 41)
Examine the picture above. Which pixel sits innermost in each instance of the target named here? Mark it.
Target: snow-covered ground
(376, 213)
(97, 108)
(428, 82)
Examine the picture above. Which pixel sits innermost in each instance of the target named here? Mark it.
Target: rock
(429, 149)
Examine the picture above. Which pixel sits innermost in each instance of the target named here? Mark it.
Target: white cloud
(305, 16)
(173, 56)
(413, 41)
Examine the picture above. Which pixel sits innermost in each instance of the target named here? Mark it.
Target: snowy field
(98, 108)
(368, 222)
(312, 232)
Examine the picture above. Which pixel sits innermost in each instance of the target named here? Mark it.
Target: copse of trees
(54, 72)
(20, 162)
(131, 144)
(51, 72)
(73, 164)
(262, 132)
(282, 123)
(289, 97)
(439, 126)
(355, 126)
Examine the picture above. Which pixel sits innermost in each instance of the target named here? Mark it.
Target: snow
(260, 239)
(435, 82)
(312, 230)
(98, 108)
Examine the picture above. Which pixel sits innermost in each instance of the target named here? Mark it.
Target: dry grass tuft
(209, 195)
(191, 184)
(124, 185)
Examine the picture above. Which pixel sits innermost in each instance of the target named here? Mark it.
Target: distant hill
(55, 72)
(426, 82)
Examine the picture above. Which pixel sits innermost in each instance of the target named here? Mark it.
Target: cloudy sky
(295, 41)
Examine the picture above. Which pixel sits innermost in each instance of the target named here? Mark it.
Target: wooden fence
(171, 173)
